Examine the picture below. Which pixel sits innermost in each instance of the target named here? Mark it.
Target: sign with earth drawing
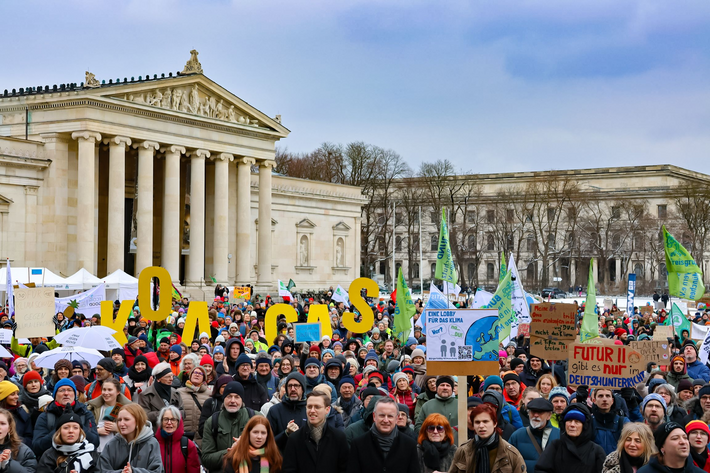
(462, 334)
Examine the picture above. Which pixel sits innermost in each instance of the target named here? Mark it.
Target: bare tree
(693, 204)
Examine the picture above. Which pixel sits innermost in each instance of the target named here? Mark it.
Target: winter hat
(575, 414)
(203, 335)
(68, 416)
(44, 400)
(206, 360)
(242, 359)
(79, 382)
(559, 391)
(657, 398)
(233, 387)
(694, 425)
(492, 380)
(685, 385)
(704, 391)
(31, 375)
(119, 351)
(663, 432)
(369, 392)
(310, 362)
(473, 401)
(164, 340)
(66, 364)
(654, 383)
(445, 379)
(263, 359)
(315, 348)
(372, 355)
(515, 362)
(132, 340)
(20, 360)
(346, 380)
(63, 382)
(218, 349)
(177, 349)
(417, 352)
(7, 388)
(328, 350)
(690, 343)
(219, 338)
(402, 408)
(398, 376)
(298, 377)
(108, 364)
(511, 376)
(160, 370)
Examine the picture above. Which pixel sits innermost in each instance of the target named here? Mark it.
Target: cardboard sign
(34, 310)
(524, 330)
(608, 303)
(307, 332)
(549, 349)
(646, 310)
(553, 321)
(657, 351)
(663, 332)
(617, 314)
(605, 366)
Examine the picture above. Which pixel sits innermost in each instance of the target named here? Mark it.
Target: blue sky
(492, 86)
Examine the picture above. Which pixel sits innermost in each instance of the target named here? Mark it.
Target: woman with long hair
(545, 384)
(135, 447)
(170, 437)
(105, 409)
(10, 400)
(633, 451)
(475, 455)
(15, 456)
(62, 369)
(435, 444)
(255, 451)
(70, 451)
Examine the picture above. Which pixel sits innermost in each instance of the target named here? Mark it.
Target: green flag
(590, 321)
(445, 269)
(291, 284)
(502, 301)
(404, 309)
(213, 279)
(503, 269)
(678, 320)
(685, 279)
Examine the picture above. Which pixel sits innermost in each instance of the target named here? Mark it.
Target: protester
(435, 444)
(254, 394)
(138, 375)
(257, 452)
(289, 415)
(444, 403)
(531, 441)
(677, 371)
(559, 397)
(653, 410)
(105, 410)
(135, 448)
(513, 389)
(698, 436)
(698, 407)
(179, 454)
(634, 450)
(192, 397)
(607, 421)
(71, 451)
(673, 451)
(348, 402)
(214, 403)
(674, 409)
(535, 367)
(159, 393)
(696, 369)
(15, 456)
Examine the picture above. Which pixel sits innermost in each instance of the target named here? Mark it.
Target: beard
(537, 424)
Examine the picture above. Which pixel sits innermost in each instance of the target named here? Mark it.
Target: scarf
(192, 387)
(385, 441)
(256, 454)
(699, 458)
(163, 391)
(317, 431)
(482, 460)
(263, 380)
(139, 377)
(78, 455)
(434, 452)
(31, 400)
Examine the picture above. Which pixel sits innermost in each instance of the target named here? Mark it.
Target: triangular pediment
(5, 200)
(306, 223)
(194, 95)
(342, 226)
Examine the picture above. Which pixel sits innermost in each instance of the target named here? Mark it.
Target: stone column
(144, 244)
(595, 272)
(196, 272)
(85, 221)
(619, 276)
(172, 234)
(263, 271)
(116, 203)
(243, 254)
(220, 244)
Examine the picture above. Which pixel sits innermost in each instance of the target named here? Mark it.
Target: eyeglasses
(435, 428)
(169, 420)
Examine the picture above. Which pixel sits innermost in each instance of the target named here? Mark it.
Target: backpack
(52, 419)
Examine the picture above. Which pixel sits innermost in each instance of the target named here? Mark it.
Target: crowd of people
(231, 400)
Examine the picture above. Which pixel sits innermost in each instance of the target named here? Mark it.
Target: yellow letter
(319, 313)
(196, 312)
(356, 299)
(124, 311)
(270, 325)
(144, 296)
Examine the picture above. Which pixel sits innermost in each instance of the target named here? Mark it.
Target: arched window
(472, 243)
(433, 271)
(616, 241)
(398, 243)
(490, 242)
(639, 271)
(530, 273)
(662, 272)
(415, 270)
(434, 242)
(490, 271)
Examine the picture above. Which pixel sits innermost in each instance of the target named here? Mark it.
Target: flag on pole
(685, 279)
(404, 309)
(445, 269)
(437, 300)
(9, 290)
(176, 294)
(503, 269)
(283, 291)
(678, 320)
(590, 321)
(291, 284)
(340, 295)
(451, 288)
(502, 301)
(518, 299)
(704, 350)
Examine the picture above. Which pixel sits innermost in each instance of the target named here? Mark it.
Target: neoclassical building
(170, 170)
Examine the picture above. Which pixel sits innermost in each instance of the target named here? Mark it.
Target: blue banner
(630, 293)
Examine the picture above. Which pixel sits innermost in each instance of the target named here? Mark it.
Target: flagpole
(394, 237)
(421, 261)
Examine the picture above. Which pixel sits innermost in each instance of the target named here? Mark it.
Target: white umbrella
(4, 353)
(97, 337)
(6, 337)
(49, 358)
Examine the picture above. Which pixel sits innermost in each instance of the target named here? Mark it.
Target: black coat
(367, 457)
(654, 466)
(48, 462)
(43, 433)
(254, 393)
(23, 424)
(281, 414)
(329, 455)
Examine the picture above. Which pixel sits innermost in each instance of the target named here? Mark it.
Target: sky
(492, 86)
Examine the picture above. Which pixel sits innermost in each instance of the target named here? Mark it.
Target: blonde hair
(644, 433)
(550, 378)
(138, 414)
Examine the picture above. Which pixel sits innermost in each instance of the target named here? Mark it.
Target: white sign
(89, 302)
(462, 334)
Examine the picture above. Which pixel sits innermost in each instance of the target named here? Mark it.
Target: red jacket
(515, 402)
(130, 356)
(171, 452)
(406, 397)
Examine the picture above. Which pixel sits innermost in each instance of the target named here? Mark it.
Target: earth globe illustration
(483, 337)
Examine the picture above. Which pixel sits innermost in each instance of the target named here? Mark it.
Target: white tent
(84, 279)
(38, 276)
(120, 286)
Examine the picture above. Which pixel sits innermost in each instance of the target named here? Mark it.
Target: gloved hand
(629, 395)
(582, 394)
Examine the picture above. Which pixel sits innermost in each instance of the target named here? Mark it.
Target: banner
(699, 332)
(436, 300)
(552, 329)
(605, 366)
(630, 293)
(590, 321)
(283, 292)
(34, 312)
(307, 332)
(677, 319)
(704, 350)
(685, 279)
(503, 270)
(340, 295)
(87, 302)
(9, 290)
(656, 351)
(518, 301)
(462, 335)
(404, 309)
(481, 299)
(241, 292)
(502, 301)
(451, 288)
(445, 268)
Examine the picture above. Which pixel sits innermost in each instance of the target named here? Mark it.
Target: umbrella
(49, 358)
(4, 353)
(97, 337)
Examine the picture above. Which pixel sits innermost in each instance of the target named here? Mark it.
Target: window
(433, 270)
(615, 241)
(415, 217)
(471, 272)
(509, 215)
(398, 217)
(383, 267)
(551, 241)
(638, 269)
(662, 210)
(530, 243)
(472, 243)
(490, 271)
(490, 216)
(571, 213)
(471, 216)
(415, 244)
(434, 243)
(381, 243)
(550, 214)
(433, 217)
(397, 267)
(530, 273)
(685, 241)
(616, 212)
(490, 242)
(398, 243)
(571, 239)
(509, 242)
(380, 219)
(415, 270)
(662, 272)
(638, 241)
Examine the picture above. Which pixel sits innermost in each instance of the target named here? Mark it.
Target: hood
(495, 398)
(145, 434)
(545, 368)
(588, 426)
(99, 401)
(369, 410)
(228, 345)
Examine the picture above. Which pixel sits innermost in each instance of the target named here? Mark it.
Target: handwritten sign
(553, 321)
(656, 351)
(549, 349)
(663, 332)
(307, 332)
(34, 310)
(646, 310)
(241, 292)
(605, 366)
(524, 330)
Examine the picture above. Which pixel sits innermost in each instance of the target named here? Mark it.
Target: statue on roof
(193, 66)
(91, 81)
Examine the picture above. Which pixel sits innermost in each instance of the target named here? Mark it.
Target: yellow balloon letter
(270, 325)
(144, 296)
(196, 312)
(356, 299)
(124, 311)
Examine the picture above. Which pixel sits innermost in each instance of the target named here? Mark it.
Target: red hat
(697, 425)
(314, 348)
(619, 331)
(206, 360)
(31, 376)
(377, 374)
(215, 324)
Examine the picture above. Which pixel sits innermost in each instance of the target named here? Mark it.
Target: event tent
(83, 278)
(121, 286)
(38, 276)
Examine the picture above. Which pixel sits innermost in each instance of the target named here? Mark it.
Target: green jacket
(446, 407)
(26, 350)
(229, 426)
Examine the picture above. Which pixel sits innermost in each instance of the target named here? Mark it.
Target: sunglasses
(435, 428)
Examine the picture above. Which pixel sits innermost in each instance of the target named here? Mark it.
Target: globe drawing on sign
(483, 337)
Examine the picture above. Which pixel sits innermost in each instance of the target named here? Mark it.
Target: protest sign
(241, 292)
(549, 349)
(646, 310)
(617, 314)
(608, 303)
(34, 311)
(605, 366)
(656, 351)
(683, 306)
(551, 329)
(663, 332)
(307, 332)
(524, 330)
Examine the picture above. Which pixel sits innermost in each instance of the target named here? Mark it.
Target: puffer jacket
(446, 407)
(25, 462)
(143, 453)
(192, 407)
(171, 453)
(48, 463)
(521, 440)
(508, 459)
(407, 398)
(228, 426)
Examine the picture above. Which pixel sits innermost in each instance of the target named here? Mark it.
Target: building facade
(173, 171)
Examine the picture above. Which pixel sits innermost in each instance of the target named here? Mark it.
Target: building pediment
(341, 226)
(306, 223)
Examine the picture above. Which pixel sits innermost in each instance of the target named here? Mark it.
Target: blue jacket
(697, 370)
(46, 426)
(521, 440)
(608, 428)
(512, 415)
